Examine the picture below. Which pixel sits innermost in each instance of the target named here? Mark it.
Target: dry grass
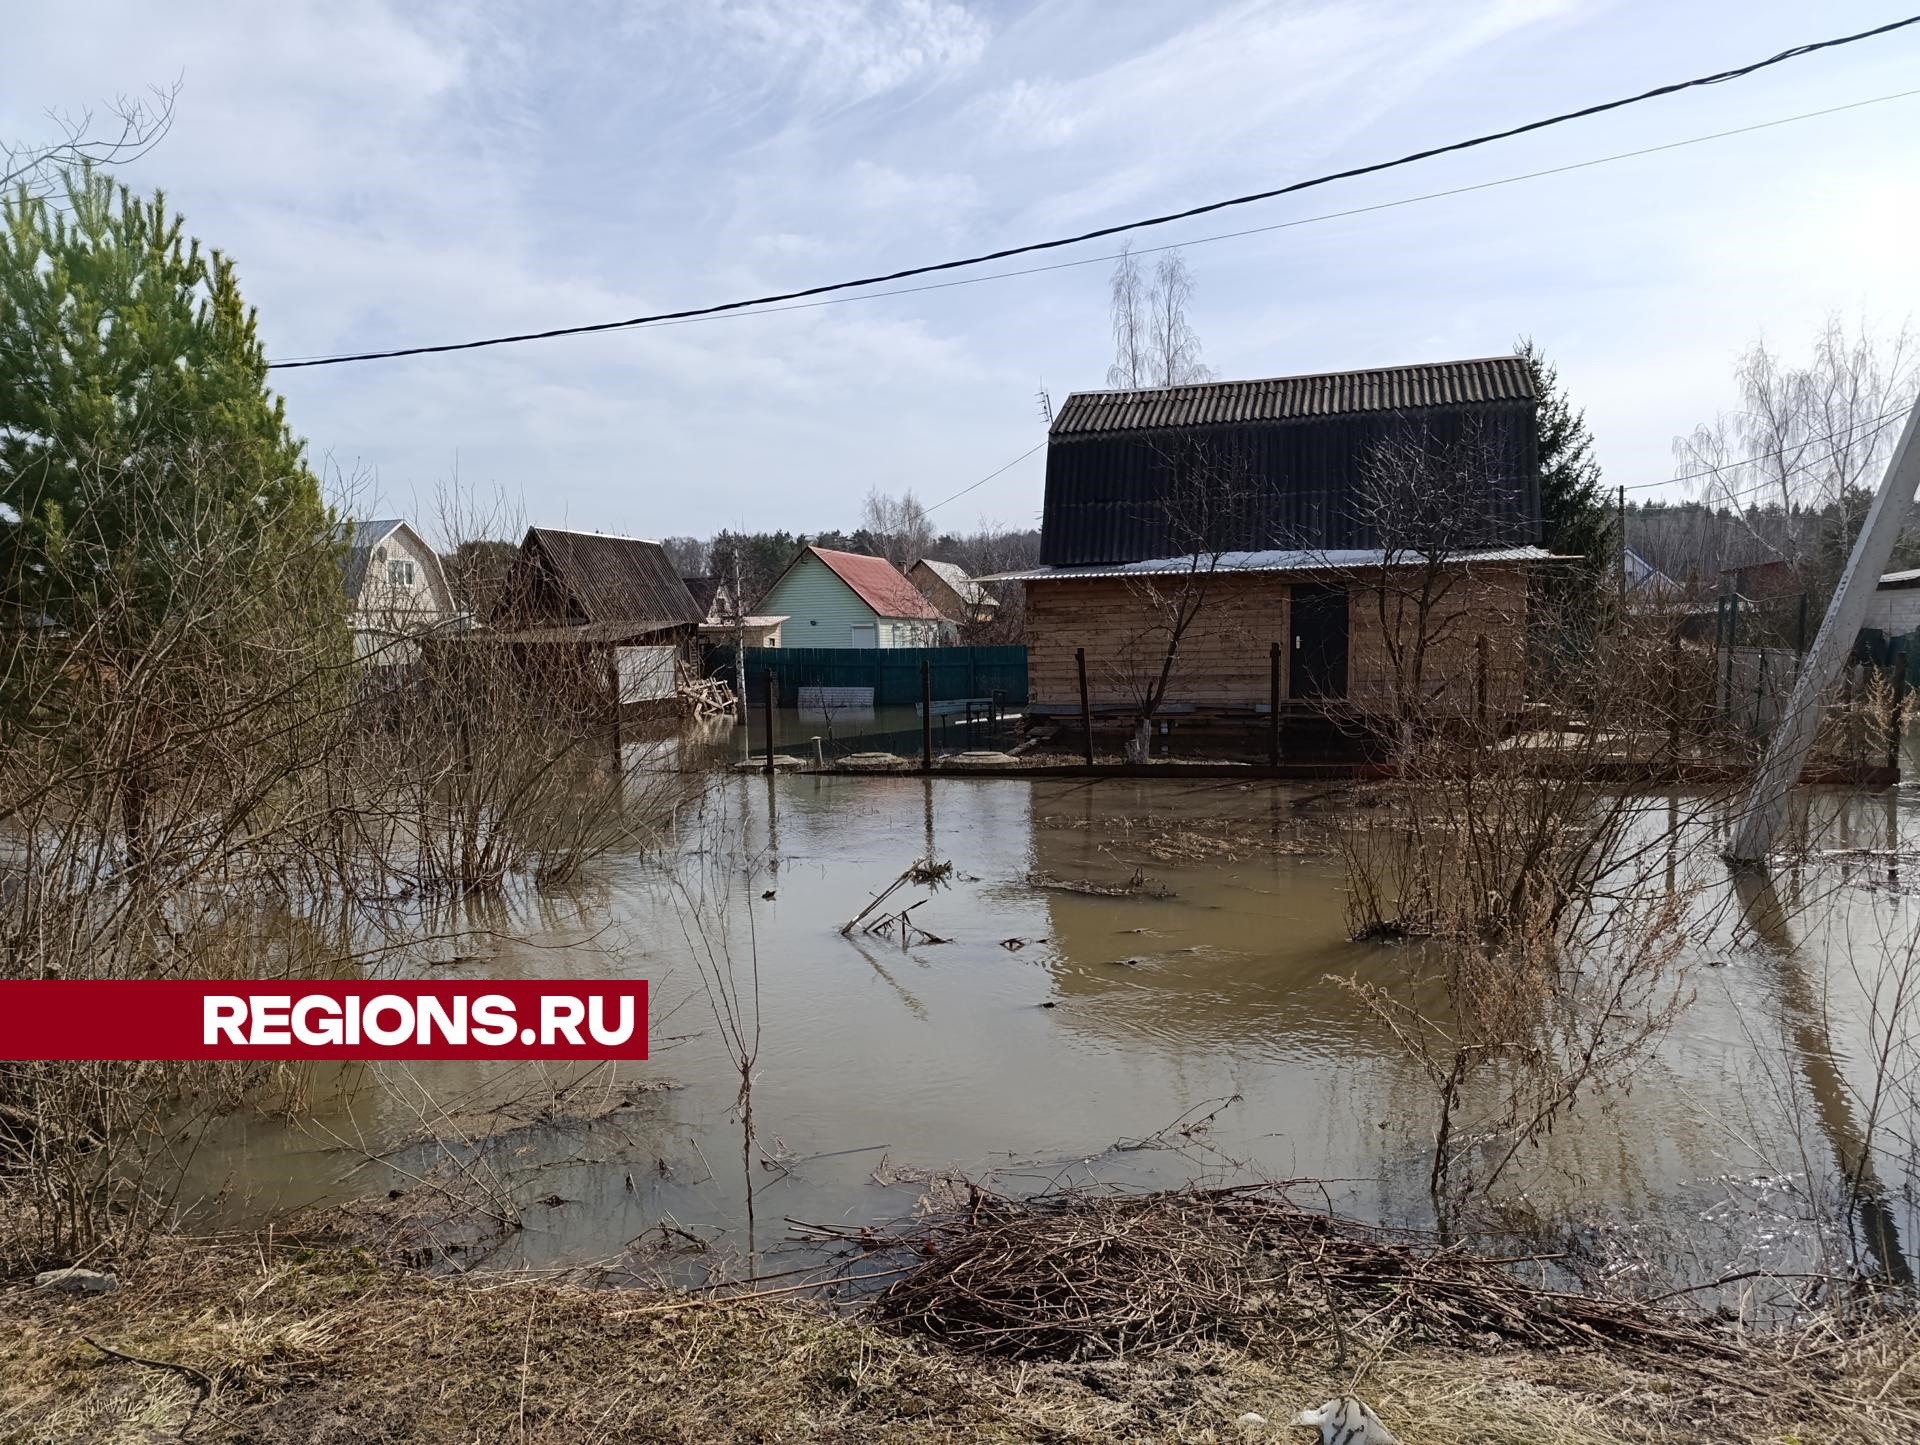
(319, 1343)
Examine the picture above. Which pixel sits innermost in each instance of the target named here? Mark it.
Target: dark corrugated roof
(1285, 463)
(604, 579)
(1288, 398)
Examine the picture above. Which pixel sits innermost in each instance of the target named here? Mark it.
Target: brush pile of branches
(1084, 1275)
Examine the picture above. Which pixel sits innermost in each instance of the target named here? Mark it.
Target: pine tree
(165, 554)
(136, 427)
(1572, 508)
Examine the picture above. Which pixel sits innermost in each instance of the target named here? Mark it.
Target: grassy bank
(304, 1343)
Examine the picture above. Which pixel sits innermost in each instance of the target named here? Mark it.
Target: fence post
(767, 713)
(1899, 664)
(1086, 708)
(1273, 706)
(1733, 642)
(1480, 679)
(926, 716)
(1674, 696)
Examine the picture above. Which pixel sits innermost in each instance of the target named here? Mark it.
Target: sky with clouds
(387, 174)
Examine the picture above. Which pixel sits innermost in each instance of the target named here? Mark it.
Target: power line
(1264, 230)
(989, 476)
(1877, 424)
(1718, 78)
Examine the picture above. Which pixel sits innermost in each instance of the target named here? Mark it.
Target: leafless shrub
(199, 779)
(1201, 514)
(1512, 843)
(705, 897)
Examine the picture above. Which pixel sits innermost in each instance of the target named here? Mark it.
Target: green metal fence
(956, 673)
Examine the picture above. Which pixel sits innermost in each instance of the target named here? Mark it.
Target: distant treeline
(1696, 542)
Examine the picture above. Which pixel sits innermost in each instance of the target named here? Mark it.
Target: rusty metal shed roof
(1291, 398)
(878, 583)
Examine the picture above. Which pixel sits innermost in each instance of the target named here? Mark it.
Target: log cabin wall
(1224, 659)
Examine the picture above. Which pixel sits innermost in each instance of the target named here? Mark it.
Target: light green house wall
(822, 611)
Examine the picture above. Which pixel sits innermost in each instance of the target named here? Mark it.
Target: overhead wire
(1293, 224)
(989, 476)
(1877, 424)
(1168, 218)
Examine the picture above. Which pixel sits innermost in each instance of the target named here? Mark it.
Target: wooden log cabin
(1368, 533)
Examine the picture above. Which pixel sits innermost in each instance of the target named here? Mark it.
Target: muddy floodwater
(1118, 961)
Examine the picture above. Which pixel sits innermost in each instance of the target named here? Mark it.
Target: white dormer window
(400, 574)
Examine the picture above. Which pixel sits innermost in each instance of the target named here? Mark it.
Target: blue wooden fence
(893, 673)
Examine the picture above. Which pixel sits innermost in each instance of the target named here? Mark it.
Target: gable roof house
(845, 599)
(597, 585)
(721, 620)
(1278, 493)
(597, 621)
(954, 594)
(396, 590)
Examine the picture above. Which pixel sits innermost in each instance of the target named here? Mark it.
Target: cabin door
(865, 634)
(1317, 665)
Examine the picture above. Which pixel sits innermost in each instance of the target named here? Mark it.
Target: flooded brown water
(1053, 1025)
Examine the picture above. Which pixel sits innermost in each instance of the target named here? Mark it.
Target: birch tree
(1154, 344)
(1174, 348)
(1808, 439)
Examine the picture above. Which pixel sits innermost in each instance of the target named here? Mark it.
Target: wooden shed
(1213, 534)
(602, 625)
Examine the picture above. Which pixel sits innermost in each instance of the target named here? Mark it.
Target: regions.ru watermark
(326, 1019)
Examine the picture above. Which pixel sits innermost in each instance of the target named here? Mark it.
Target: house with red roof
(844, 599)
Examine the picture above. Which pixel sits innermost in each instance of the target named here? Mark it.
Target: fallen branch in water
(927, 871)
(1135, 887)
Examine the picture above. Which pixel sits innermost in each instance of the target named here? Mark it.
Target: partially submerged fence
(877, 676)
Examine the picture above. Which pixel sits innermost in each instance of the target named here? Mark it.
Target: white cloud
(1028, 112)
(386, 173)
(839, 52)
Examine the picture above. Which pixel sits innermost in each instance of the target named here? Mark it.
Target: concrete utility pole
(1765, 808)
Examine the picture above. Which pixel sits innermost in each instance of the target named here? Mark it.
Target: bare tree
(1153, 342)
(899, 526)
(1175, 348)
(1430, 504)
(1202, 507)
(131, 127)
(1808, 442)
(1127, 299)
(691, 556)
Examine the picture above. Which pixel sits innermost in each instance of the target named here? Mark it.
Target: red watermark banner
(323, 1019)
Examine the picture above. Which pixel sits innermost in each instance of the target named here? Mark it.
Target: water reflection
(1803, 1023)
(1057, 1020)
